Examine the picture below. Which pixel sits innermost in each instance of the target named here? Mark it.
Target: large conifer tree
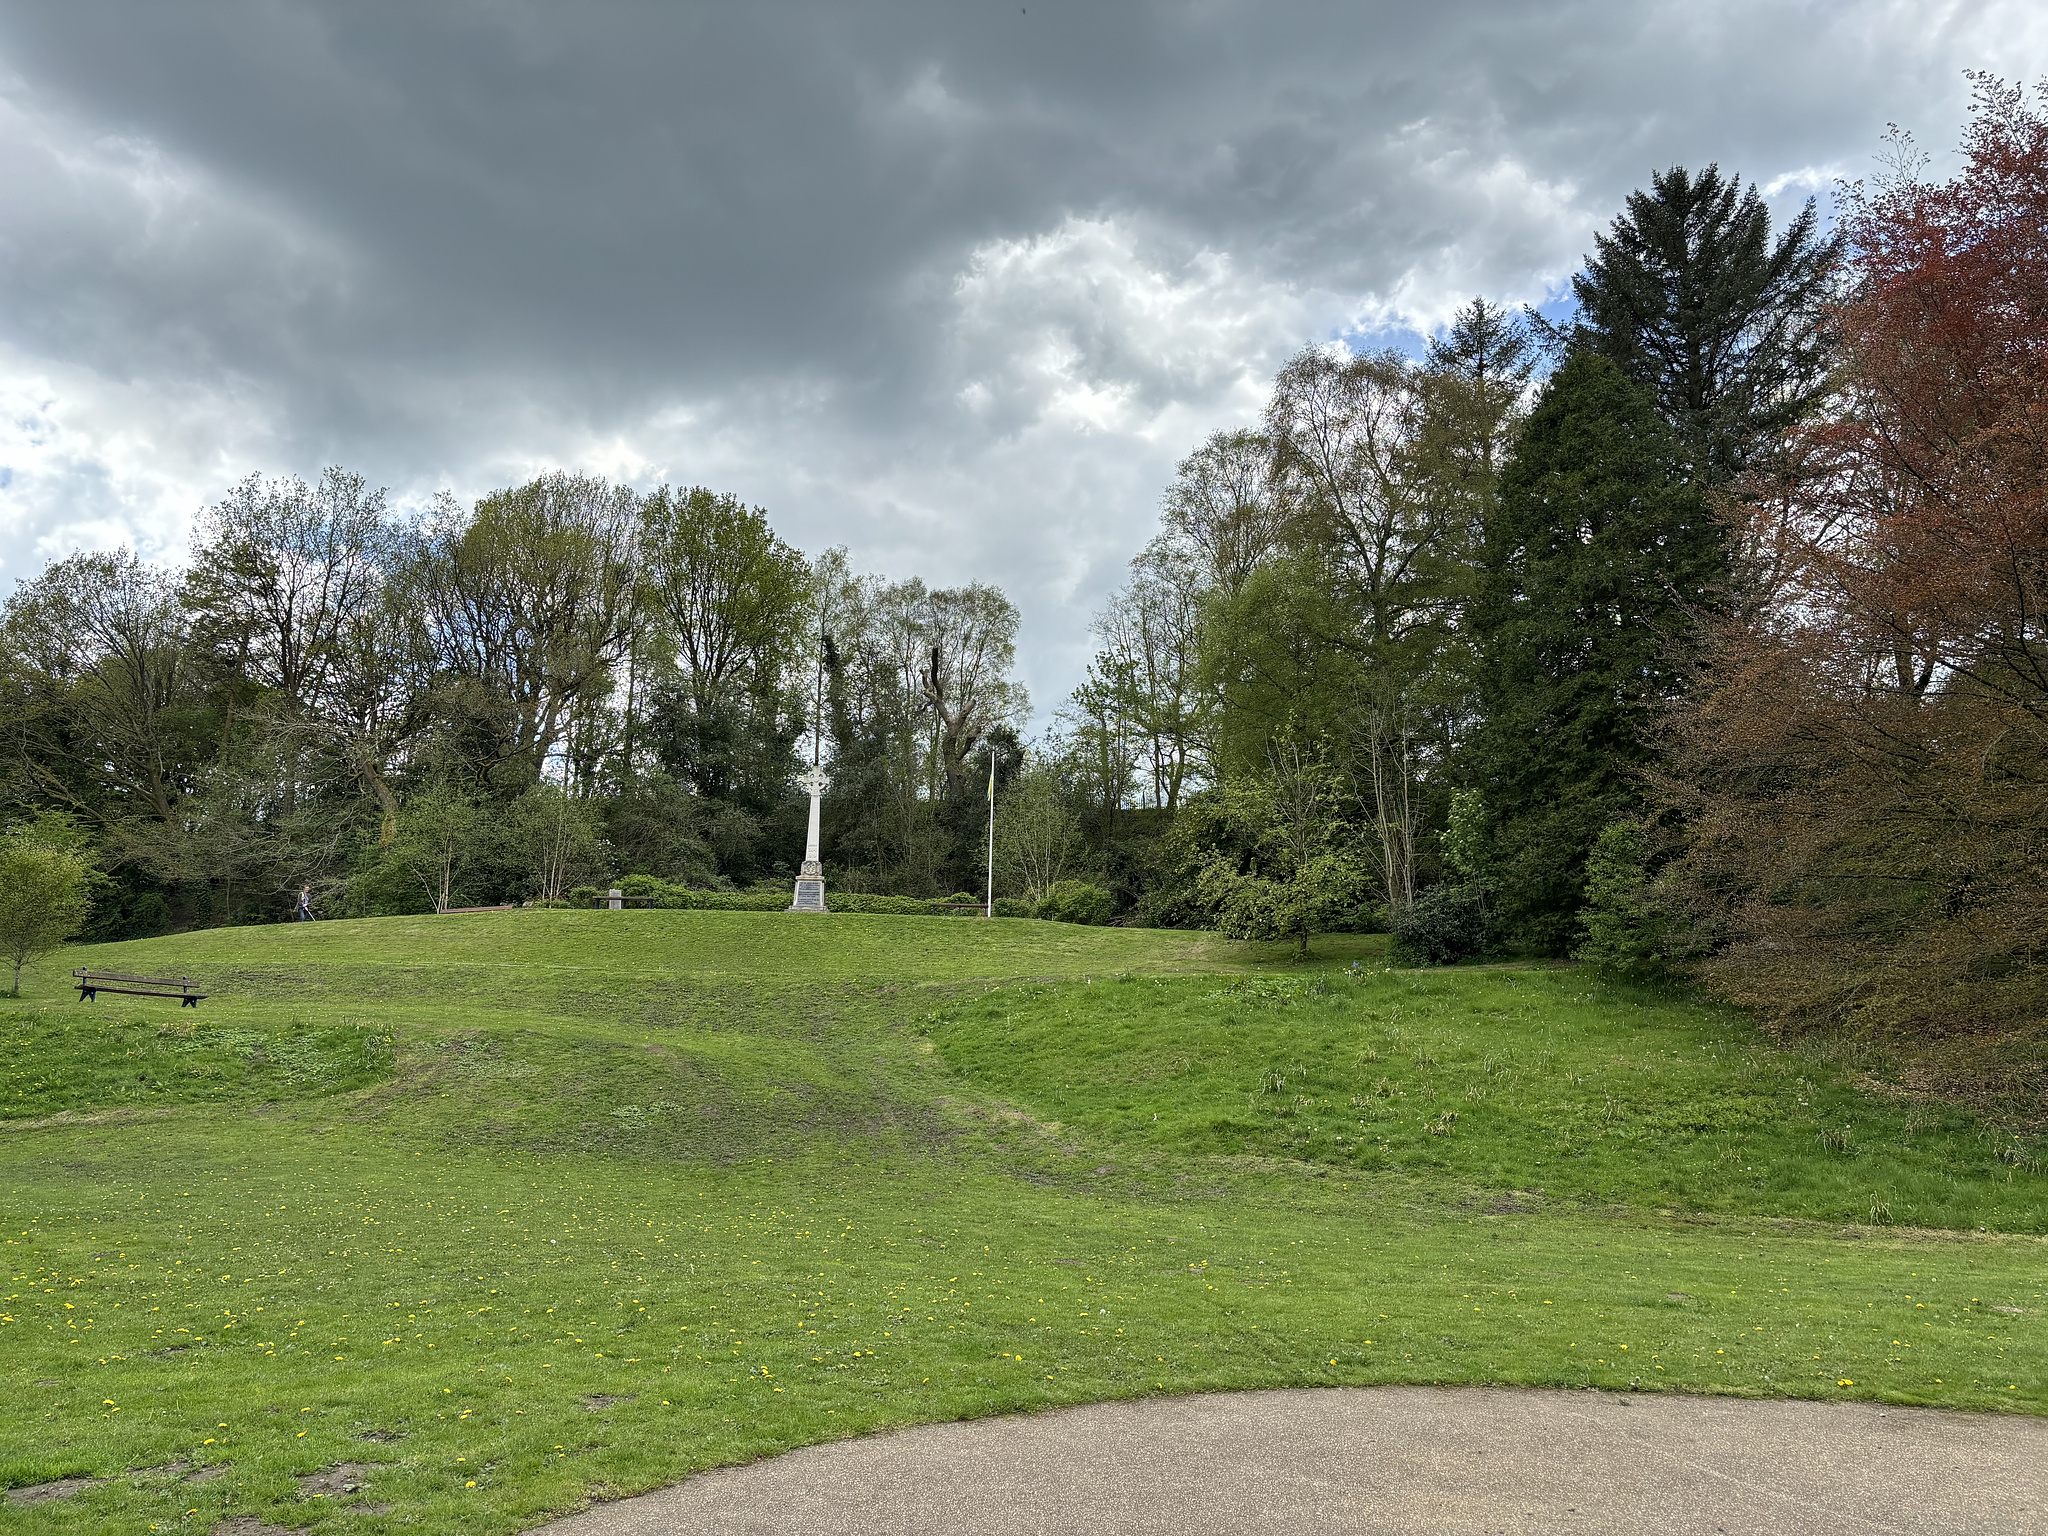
(1597, 561)
(1689, 293)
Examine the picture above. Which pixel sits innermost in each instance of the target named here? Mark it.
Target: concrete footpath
(1386, 1460)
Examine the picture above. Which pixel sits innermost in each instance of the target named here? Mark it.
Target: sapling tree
(1628, 933)
(1037, 832)
(557, 837)
(441, 837)
(1303, 875)
(45, 889)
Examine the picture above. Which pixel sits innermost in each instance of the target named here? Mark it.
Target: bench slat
(92, 983)
(133, 992)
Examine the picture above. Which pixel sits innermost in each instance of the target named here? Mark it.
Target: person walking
(305, 904)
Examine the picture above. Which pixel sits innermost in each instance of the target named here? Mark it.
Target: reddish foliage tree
(1865, 765)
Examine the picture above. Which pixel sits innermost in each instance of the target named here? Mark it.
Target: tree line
(1702, 630)
(562, 683)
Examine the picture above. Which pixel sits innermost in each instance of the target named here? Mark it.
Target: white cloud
(955, 288)
(89, 462)
(129, 391)
(1084, 327)
(1507, 231)
(1806, 181)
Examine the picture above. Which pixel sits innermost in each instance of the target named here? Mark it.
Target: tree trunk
(632, 700)
(387, 799)
(1392, 812)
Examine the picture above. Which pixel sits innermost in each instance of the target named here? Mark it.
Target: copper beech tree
(1864, 769)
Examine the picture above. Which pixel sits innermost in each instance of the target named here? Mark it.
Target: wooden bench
(92, 983)
(979, 909)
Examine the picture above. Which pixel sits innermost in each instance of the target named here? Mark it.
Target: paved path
(1386, 1460)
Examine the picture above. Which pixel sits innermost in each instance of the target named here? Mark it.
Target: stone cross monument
(810, 880)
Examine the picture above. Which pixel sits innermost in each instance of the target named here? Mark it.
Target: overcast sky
(955, 285)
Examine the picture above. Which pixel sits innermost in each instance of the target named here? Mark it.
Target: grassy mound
(518, 1210)
(67, 1060)
(1545, 1082)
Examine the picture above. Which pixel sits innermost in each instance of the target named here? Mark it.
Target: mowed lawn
(446, 1224)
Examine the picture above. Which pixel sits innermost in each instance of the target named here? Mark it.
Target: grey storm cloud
(954, 285)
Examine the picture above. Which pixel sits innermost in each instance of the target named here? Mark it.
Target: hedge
(682, 898)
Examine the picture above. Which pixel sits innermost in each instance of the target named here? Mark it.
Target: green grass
(636, 1194)
(589, 945)
(1544, 1082)
(60, 1058)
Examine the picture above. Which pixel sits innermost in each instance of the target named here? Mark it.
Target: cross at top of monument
(813, 782)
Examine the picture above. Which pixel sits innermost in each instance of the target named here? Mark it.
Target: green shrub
(1076, 901)
(1628, 934)
(683, 898)
(46, 880)
(880, 906)
(384, 888)
(1449, 924)
(674, 897)
(149, 916)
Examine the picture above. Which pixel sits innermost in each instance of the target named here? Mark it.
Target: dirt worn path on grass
(1386, 1460)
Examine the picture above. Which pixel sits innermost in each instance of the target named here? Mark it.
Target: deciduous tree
(101, 642)
(45, 888)
(1866, 769)
(527, 605)
(735, 614)
(1037, 832)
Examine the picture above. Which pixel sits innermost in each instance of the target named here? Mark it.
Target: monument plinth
(810, 878)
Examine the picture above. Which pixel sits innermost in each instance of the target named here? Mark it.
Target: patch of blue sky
(1410, 342)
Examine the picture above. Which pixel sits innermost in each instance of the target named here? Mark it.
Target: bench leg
(188, 1002)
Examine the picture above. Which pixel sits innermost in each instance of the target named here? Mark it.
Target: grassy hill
(516, 1210)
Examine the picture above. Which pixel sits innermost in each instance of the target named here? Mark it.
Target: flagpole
(990, 911)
